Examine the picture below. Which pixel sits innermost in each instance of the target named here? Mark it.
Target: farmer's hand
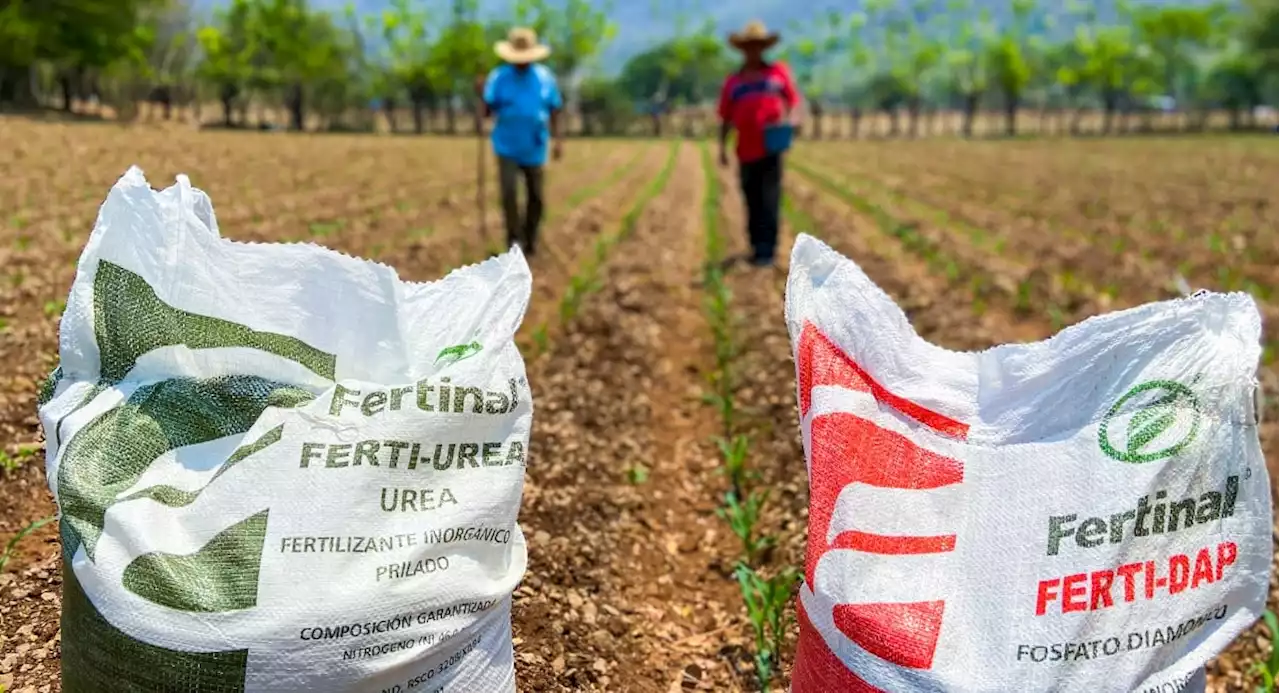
(557, 149)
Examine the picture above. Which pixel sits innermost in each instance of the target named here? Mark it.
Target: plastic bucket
(777, 138)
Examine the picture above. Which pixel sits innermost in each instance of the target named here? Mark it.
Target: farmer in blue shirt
(524, 98)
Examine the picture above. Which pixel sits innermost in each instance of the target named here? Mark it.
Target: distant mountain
(642, 23)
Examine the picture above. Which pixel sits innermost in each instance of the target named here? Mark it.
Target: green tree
(576, 29)
(171, 58)
(464, 50)
(966, 59)
(864, 64)
(606, 107)
(1260, 34)
(406, 33)
(301, 54)
(1233, 82)
(911, 53)
(1176, 35)
(78, 40)
(1009, 68)
(811, 58)
(685, 70)
(229, 48)
(20, 29)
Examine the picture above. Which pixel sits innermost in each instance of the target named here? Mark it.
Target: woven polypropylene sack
(1087, 513)
(280, 468)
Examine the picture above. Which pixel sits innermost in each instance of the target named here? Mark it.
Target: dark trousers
(762, 190)
(521, 229)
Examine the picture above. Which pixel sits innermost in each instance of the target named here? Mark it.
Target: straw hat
(521, 47)
(754, 33)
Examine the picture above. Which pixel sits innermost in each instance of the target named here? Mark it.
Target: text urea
(444, 397)
(393, 454)
(1148, 518)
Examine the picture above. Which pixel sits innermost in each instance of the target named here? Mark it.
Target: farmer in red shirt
(758, 97)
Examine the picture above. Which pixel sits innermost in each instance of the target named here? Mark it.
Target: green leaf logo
(1153, 409)
(459, 352)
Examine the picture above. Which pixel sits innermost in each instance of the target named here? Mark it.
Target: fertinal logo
(1152, 421)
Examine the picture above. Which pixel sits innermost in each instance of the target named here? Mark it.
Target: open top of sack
(166, 244)
(1014, 393)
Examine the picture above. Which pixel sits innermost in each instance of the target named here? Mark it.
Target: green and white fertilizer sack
(280, 468)
(1087, 513)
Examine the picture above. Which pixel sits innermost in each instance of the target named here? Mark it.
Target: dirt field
(630, 584)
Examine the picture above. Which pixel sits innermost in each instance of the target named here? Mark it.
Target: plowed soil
(630, 584)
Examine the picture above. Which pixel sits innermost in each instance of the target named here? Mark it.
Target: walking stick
(480, 196)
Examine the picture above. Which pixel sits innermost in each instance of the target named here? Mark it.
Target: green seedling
(55, 308)
(1057, 319)
(421, 232)
(541, 340)
(11, 463)
(766, 600)
(1216, 244)
(637, 474)
(22, 242)
(4, 325)
(321, 229)
(586, 193)
(721, 397)
(952, 271)
(743, 518)
(1270, 669)
(579, 286)
(734, 453)
(1022, 301)
(22, 534)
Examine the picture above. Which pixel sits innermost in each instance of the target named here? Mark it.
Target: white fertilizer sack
(1087, 513)
(279, 468)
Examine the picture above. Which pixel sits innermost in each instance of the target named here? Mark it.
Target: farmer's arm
(555, 104)
(790, 94)
(487, 89)
(725, 112)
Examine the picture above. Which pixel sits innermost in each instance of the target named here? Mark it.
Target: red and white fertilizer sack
(279, 468)
(1087, 513)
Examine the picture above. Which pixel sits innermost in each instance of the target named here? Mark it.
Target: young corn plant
(1270, 669)
(541, 340)
(734, 452)
(743, 517)
(11, 463)
(766, 600)
(580, 285)
(22, 534)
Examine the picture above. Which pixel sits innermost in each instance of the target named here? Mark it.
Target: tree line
(418, 58)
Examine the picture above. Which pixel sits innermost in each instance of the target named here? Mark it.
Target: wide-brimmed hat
(521, 46)
(755, 33)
